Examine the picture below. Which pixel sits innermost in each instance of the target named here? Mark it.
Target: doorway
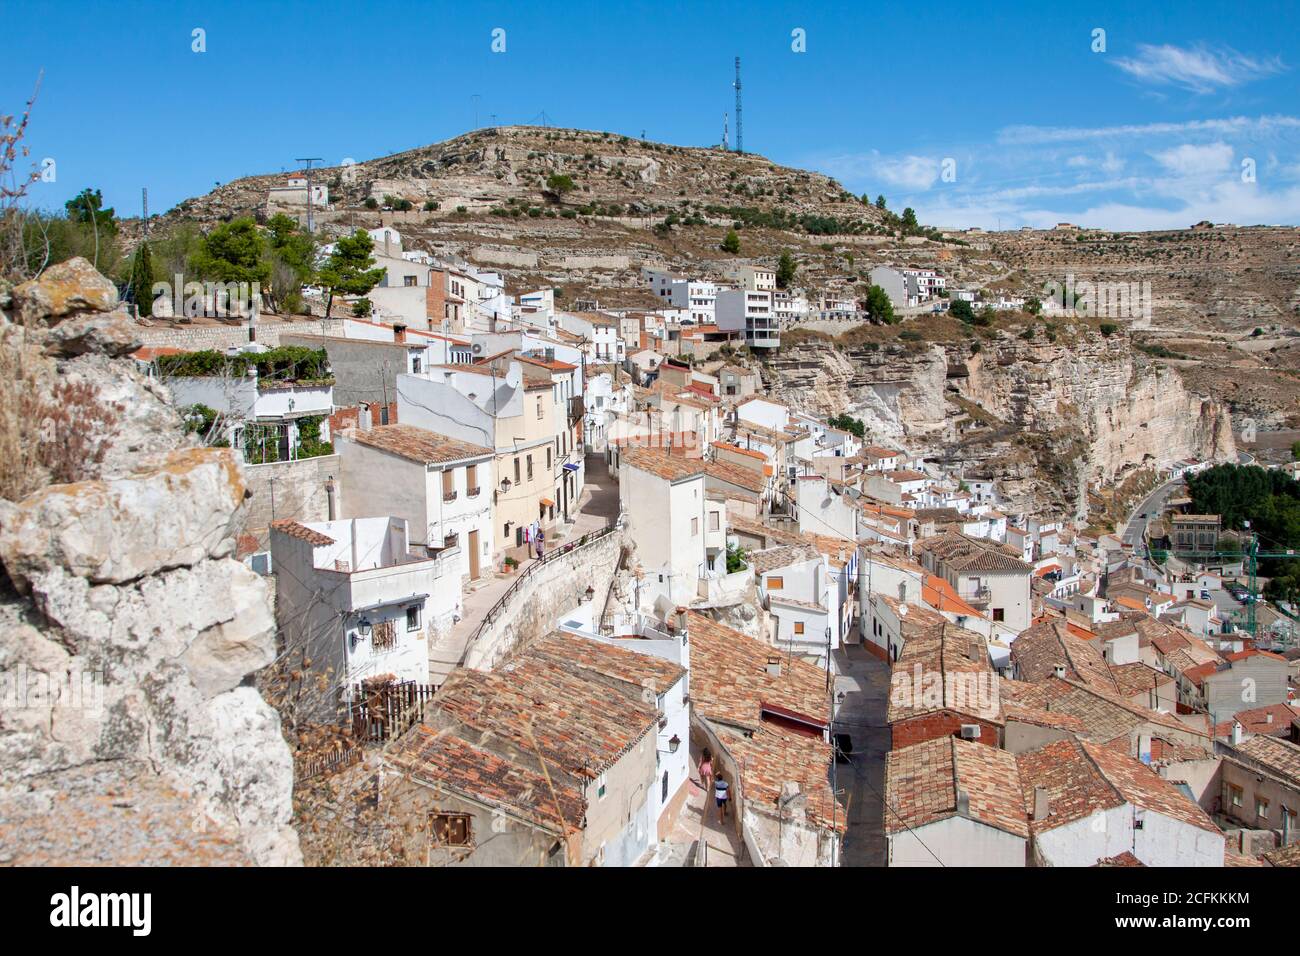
(473, 555)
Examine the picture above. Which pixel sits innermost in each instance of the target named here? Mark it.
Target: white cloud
(909, 172)
(1112, 164)
(1198, 69)
(1192, 160)
(1231, 126)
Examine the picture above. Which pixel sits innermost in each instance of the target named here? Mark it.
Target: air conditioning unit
(970, 731)
(477, 348)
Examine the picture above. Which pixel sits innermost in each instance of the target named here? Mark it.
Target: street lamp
(674, 742)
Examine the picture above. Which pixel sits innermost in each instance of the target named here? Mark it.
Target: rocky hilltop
(129, 733)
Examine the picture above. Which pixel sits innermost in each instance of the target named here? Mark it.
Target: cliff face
(1042, 417)
(127, 629)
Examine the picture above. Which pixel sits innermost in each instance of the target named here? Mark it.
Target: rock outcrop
(130, 733)
(1039, 416)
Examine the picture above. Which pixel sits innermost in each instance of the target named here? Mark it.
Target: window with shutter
(451, 829)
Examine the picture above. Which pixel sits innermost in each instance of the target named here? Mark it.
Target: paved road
(1150, 506)
(864, 681)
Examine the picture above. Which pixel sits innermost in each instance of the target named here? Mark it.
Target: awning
(409, 599)
(570, 467)
(546, 503)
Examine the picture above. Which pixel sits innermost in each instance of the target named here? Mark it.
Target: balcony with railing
(977, 595)
(449, 496)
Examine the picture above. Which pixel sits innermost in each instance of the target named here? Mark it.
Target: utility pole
(144, 204)
(740, 136)
(309, 160)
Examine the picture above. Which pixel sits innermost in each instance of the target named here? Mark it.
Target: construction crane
(1250, 560)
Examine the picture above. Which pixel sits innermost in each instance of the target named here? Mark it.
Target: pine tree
(142, 281)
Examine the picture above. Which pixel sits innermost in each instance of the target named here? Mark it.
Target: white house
(441, 486)
(955, 803)
(823, 508)
(679, 534)
(749, 313)
(796, 588)
(1089, 803)
(984, 574)
(356, 598)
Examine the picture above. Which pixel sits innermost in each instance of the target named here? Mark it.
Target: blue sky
(1038, 127)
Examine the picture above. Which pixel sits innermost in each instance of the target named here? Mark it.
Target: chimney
(1268, 718)
(774, 666)
(399, 333)
(1042, 804)
(1236, 732)
(1059, 670)
(963, 803)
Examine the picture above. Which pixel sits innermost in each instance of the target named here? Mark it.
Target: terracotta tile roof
(1082, 778)
(1123, 859)
(607, 660)
(1272, 719)
(1044, 646)
(906, 474)
(662, 464)
(1137, 677)
(731, 686)
(1106, 715)
(964, 553)
(443, 760)
(922, 782)
(1280, 757)
(417, 444)
(773, 559)
(736, 449)
(301, 532)
(550, 364)
(531, 735)
(951, 660)
(730, 681)
(1285, 856)
(738, 475)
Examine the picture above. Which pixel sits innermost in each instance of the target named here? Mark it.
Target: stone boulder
(62, 290)
(173, 514)
(107, 333)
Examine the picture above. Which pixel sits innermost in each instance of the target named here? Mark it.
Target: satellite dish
(515, 375)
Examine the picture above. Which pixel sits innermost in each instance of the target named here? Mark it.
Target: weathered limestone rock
(171, 515)
(129, 735)
(65, 289)
(106, 333)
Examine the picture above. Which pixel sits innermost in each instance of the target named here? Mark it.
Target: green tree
(142, 280)
(559, 184)
(293, 261)
(1295, 451)
(350, 268)
(785, 270)
(846, 422)
(1033, 306)
(879, 309)
(880, 203)
(962, 311)
(235, 251)
(910, 225)
(731, 242)
(88, 207)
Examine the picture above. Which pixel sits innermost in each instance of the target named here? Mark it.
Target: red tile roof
(416, 444)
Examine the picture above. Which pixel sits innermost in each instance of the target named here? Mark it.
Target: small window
(1237, 795)
(413, 618)
(539, 409)
(516, 471)
(548, 459)
(775, 582)
(1261, 808)
(451, 829)
(999, 614)
(415, 365)
(600, 787)
(530, 467)
(695, 527)
(409, 281)
(715, 521)
(798, 627)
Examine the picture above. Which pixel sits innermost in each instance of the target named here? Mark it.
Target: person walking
(706, 770)
(721, 794)
(541, 543)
